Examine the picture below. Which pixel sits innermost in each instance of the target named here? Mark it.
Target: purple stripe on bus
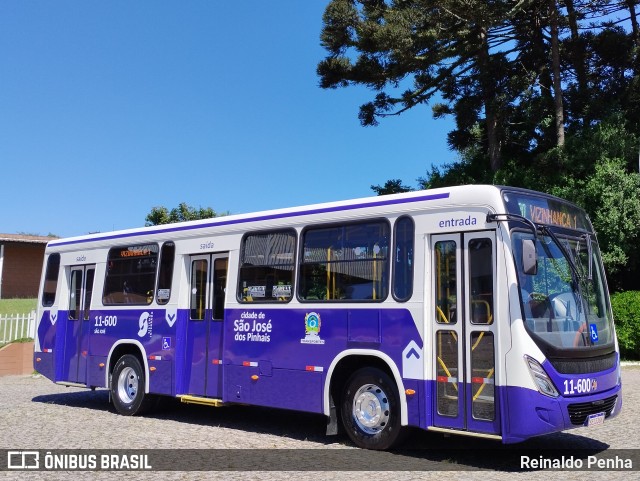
(285, 215)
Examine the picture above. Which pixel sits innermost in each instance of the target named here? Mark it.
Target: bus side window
(165, 274)
(51, 280)
(345, 262)
(266, 266)
(131, 275)
(403, 259)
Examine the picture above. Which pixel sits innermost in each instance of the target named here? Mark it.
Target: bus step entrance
(206, 401)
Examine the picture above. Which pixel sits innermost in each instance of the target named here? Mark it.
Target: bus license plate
(595, 419)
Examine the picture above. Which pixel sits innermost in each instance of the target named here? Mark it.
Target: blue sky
(110, 108)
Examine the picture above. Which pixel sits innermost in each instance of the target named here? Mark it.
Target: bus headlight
(540, 378)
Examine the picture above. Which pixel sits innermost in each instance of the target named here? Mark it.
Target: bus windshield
(564, 302)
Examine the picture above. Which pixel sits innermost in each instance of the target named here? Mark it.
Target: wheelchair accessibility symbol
(593, 332)
(166, 343)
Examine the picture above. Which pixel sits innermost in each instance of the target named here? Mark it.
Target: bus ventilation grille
(585, 366)
(580, 411)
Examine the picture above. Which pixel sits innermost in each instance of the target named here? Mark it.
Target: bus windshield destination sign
(543, 210)
(139, 251)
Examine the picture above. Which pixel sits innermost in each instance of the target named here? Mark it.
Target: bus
(475, 310)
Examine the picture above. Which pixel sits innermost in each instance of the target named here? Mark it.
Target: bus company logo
(145, 323)
(312, 325)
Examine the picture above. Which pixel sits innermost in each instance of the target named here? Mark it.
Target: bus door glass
(464, 327)
(208, 280)
(76, 345)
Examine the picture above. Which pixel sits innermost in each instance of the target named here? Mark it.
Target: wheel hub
(127, 385)
(371, 409)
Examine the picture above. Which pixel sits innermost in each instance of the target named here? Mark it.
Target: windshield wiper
(572, 263)
(587, 238)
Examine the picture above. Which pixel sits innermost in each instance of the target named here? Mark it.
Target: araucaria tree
(411, 51)
(515, 74)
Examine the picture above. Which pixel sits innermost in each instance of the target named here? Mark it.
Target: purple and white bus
(471, 310)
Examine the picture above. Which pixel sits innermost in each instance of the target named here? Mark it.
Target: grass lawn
(17, 306)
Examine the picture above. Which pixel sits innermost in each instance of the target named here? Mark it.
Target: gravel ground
(37, 414)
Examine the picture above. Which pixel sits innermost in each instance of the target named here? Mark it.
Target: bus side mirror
(529, 257)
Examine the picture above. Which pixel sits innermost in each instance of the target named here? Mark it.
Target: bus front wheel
(371, 409)
(127, 387)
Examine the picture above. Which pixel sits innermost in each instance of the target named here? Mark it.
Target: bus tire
(371, 409)
(127, 387)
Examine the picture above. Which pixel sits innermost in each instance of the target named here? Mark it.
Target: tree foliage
(626, 313)
(602, 182)
(545, 95)
(516, 75)
(183, 212)
(393, 186)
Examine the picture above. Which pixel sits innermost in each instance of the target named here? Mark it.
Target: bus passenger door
(208, 279)
(464, 329)
(449, 389)
(76, 345)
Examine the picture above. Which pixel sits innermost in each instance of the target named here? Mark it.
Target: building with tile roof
(21, 259)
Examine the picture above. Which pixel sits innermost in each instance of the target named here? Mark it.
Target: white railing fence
(17, 326)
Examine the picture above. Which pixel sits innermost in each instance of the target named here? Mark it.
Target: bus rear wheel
(127, 387)
(371, 409)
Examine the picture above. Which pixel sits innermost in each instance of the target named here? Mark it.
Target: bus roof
(464, 195)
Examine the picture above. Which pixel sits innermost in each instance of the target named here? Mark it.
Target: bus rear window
(51, 280)
(131, 275)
